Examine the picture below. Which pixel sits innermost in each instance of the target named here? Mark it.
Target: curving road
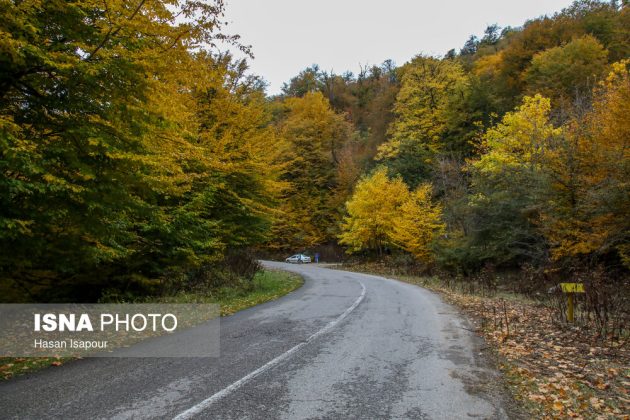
(345, 345)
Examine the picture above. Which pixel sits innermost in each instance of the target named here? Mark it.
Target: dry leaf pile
(557, 370)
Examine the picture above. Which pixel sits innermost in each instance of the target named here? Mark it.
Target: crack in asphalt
(199, 407)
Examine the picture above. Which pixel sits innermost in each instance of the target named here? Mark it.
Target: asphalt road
(345, 345)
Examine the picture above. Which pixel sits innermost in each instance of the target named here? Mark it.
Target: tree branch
(111, 33)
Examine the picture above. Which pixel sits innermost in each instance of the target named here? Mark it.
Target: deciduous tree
(372, 210)
(316, 137)
(418, 224)
(588, 211)
(569, 71)
(430, 90)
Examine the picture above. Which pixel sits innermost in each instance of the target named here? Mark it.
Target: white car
(298, 259)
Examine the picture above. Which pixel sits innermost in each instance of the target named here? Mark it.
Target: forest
(136, 158)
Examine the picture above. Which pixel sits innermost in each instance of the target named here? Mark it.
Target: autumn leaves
(546, 180)
(383, 213)
(134, 156)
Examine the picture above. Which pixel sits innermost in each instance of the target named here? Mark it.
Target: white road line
(198, 408)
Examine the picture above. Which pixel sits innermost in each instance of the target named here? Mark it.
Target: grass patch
(267, 285)
(14, 366)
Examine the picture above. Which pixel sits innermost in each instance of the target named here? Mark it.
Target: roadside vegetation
(500, 170)
(266, 285)
(140, 162)
(554, 369)
(136, 159)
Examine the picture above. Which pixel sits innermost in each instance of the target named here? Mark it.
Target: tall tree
(508, 187)
(316, 137)
(430, 91)
(567, 72)
(418, 224)
(371, 212)
(587, 214)
(103, 147)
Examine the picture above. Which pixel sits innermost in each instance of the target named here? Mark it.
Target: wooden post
(571, 289)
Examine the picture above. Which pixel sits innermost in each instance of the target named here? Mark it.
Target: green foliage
(507, 189)
(431, 90)
(309, 80)
(127, 153)
(561, 73)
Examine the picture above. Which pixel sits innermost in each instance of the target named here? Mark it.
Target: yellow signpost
(570, 289)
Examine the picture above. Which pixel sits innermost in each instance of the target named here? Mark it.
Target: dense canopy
(137, 158)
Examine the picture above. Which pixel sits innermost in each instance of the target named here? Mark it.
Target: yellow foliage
(488, 66)
(418, 224)
(371, 212)
(383, 212)
(422, 104)
(520, 140)
(313, 142)
(591, 168)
